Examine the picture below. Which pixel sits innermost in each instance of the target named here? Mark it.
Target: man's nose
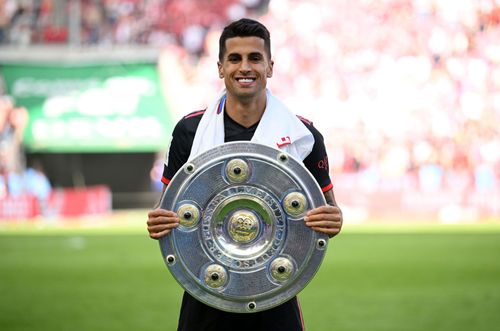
(245, 66)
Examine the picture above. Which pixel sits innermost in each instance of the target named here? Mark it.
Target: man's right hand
(161, 222)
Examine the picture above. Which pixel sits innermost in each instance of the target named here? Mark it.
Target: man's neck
(245, 113)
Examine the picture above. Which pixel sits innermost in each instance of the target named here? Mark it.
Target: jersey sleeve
(180, 145)
(317, 161)
(177, 154)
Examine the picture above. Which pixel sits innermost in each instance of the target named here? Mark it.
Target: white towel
(278, 128)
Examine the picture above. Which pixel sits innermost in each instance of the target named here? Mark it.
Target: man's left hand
(325, 219)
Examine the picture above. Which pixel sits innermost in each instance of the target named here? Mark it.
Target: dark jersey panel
(317, 161)
(180, 146)
(197, 316)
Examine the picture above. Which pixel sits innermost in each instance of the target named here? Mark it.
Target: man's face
(245, 67)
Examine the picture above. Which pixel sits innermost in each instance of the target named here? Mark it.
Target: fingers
(326, 209)
(328, 213)
(325, 224)
(330, 232)
(161, 212)
(159, 216)
(160, 234)
(161, 222)
(328, 227)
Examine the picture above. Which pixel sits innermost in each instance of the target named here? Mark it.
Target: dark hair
(244, 27)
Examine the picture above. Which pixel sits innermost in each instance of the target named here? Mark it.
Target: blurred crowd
(405, 92)
(118, 22)
(16, 179)
(402, 89)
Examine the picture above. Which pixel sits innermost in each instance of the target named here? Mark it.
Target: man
(246, 111)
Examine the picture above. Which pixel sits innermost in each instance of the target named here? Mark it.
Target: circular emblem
(237, 171)
(282, 269)
(243, 226)
(242, 244)
(215, 276)
(188, 215)
(295, 204)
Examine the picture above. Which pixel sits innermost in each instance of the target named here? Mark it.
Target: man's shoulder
(304, 120)
(195, 115)
(190, 121)
(309, 125)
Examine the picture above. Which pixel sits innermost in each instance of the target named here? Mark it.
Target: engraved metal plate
(242, 244)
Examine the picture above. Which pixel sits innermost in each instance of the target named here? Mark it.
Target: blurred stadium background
(405, 92)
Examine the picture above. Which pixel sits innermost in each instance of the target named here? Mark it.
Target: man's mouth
(245, 80)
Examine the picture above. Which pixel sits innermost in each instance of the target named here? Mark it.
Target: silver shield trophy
(242, 244)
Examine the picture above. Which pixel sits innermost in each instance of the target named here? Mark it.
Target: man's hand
(161, 222)
(326, 219)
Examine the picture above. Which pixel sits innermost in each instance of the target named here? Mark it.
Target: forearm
(330, 198)
(157, 205)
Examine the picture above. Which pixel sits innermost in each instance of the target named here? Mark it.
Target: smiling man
(246, 110)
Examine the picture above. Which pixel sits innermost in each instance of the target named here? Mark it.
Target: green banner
(91, 108)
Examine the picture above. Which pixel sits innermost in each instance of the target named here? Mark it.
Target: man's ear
(270, 69)
(219, 68)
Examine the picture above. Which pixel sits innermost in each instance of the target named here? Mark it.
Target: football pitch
(376, 278)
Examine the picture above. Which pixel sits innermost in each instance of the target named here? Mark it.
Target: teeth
(245, 80)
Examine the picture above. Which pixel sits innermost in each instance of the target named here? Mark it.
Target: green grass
(426, 281)
(409, 279)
